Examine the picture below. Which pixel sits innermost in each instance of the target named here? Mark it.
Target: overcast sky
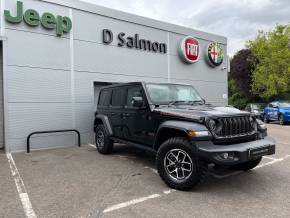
(238, 20)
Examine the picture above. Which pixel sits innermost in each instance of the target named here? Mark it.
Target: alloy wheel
(178, 164)
(100, 139)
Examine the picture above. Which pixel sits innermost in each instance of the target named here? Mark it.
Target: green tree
(236, 97)
(271, 74)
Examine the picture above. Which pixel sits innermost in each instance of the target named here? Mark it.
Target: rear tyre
(281, 119)
(178, 165)
(103, 143)
(247, 166)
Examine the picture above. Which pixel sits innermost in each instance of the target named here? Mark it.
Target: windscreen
(167, 93)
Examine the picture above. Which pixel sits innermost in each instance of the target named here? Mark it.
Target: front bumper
(236, 153)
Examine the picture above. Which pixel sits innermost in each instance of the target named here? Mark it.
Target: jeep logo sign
(32, 18)
(189, 50)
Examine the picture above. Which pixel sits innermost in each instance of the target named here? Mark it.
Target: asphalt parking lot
(79, 182)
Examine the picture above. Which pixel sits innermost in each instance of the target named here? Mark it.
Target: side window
(133, 92)
(118, 97)
(105, 98)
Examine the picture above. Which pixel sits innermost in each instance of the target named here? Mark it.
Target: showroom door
(1, 100)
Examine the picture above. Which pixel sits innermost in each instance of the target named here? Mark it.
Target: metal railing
(52, 131)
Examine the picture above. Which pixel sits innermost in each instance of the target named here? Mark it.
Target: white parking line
(272, 162)
(152, 169)
(271, 158)
(94, 146)
(131, 202)
(26, 204)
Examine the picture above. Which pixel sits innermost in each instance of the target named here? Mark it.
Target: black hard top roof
(137, 83)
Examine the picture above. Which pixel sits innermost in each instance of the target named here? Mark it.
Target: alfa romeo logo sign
(215, 54)
(189, 50)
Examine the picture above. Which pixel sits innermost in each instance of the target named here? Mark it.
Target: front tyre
(247, 165)
(103, 143)
(178, 165)
(266, 120)
(281, 119)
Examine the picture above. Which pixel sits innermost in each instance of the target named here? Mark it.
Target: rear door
(116, 110)
(275, 111)
(138, 125)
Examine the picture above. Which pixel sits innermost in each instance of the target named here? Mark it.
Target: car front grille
(233, 127)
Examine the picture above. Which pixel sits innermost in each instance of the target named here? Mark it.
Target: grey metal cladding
(197, 71)
(28, 84)
(25, 118)
(38, 50)
(117, 60)
(84, 116)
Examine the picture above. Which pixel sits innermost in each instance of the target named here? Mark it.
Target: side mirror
(137, 102)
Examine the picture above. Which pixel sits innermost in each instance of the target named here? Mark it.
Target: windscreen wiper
(196, 102)
(175, 102)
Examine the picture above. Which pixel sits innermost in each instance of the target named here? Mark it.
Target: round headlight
(212, 124)
(252, 121)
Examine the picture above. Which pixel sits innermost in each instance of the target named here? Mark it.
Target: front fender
(181, 126)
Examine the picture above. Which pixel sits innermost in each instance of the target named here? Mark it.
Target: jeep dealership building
(56, 55)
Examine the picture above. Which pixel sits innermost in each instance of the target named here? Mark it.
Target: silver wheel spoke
(178, 164)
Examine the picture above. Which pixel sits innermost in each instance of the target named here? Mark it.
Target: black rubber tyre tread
(281, 120)
(266, 120)
(108, 143)
(247, 165)
(195, 179)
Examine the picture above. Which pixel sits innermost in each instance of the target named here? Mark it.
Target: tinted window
(118, 97)
(105, 98)
(133, 92)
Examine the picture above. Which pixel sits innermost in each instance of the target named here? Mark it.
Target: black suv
(187, 135)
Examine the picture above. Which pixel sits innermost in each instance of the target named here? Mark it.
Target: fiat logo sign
(189, 50)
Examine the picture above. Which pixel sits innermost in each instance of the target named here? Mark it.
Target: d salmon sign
(189, 50)
(215, 54)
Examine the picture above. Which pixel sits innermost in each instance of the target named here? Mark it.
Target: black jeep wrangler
(187, 135)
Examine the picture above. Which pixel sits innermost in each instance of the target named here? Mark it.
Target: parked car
(277, 110)
(256, 109)
(186, 134)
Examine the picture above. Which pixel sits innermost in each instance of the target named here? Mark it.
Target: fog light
(225, 155)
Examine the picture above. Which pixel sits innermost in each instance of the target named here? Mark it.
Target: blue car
(277, 110)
